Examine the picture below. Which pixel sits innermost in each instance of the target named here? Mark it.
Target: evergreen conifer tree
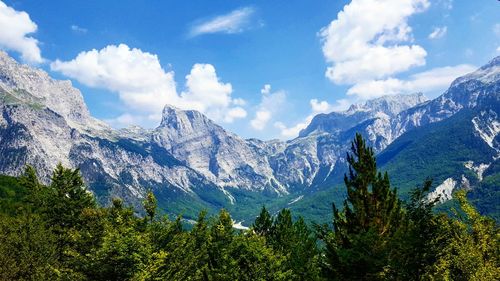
(360, 245)
(263, 223)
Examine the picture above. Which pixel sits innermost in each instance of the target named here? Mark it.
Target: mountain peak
(389, 104)
(182, 119)
(29, 85)
(488, 73)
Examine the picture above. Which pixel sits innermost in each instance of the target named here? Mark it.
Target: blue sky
(259, 68)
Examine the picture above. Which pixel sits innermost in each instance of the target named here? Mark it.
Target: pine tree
(29, 181)
(359, 247)
(282, 231)
(263, 223)
(414, 247)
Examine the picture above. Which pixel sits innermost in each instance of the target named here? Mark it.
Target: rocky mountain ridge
(45, 121)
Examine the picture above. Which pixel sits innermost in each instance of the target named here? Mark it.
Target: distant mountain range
(191, 163)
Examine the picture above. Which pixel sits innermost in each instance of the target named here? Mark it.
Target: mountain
(191, 163)
(45, 121)
(220, 156)
(453, 139)
(460, 146)
(383, 107)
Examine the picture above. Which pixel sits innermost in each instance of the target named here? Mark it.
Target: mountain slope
(191, 163)
(454, 137)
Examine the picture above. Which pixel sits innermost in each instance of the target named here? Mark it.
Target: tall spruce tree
(358, 249)
(263, 223)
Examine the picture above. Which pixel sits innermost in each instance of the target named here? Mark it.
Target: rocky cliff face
(45, 121)
(222, 157)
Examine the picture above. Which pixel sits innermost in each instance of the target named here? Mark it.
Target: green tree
(27, 248)
(304, 253)
(263, 223)
(472, 247)
(67, 208)
(70, 198)
(150, 205)
(122, 254)
(416, 245)
(29, 181)
(163, 231)
(359, 247)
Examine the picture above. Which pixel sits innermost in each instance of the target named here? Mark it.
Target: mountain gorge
(191, 163)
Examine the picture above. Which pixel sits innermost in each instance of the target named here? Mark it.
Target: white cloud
(317, 107)
(145, 87)
(136, 76)
(15, 27)
(364, 42)
(290, 132)
(438, 32)
(234, 22)
(261, 119)
(266, 89)
(270, 105)
(239, 101)
(79, 29)
(235, 113)
(205, 93)
(435, 80)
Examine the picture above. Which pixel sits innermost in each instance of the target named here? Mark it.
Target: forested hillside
(58, 232)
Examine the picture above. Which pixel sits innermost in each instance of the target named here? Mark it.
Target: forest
(59, 232)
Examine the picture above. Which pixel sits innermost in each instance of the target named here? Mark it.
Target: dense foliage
(58, 232)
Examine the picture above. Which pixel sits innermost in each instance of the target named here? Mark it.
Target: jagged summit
(20, 83)
(488, 73)
(389, 105)
(29, 84)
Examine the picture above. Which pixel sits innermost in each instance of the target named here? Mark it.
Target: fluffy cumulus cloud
(366, 41)
(261, 119)
(370, 44)
(234, 22)
(438, 32)
(145, 87)
(317, 107)
(434, 80)
(15, 27)
(270, 105)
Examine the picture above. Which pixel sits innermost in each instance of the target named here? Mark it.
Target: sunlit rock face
(45, 121)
